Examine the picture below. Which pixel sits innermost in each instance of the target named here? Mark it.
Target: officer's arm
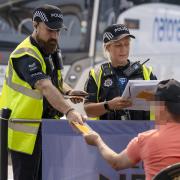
(98, 109)
(52, 94)
(91, 106)
(94, 109)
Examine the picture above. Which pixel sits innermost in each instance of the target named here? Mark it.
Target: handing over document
(84, 129)
(140, 92)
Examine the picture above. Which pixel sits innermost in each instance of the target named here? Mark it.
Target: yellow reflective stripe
(92, 72)
(99, 83)
(59, 74)
(97, 78)
(93, 118)
(23, 128)
(60, 80)
(28, 50)
(26, 91)
(152, 112)
(147, 72)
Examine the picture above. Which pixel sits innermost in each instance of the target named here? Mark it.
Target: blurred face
(119, 51)
(160, 112)
(47, 38)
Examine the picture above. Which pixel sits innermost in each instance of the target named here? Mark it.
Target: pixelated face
(47, 38)
(159, 111)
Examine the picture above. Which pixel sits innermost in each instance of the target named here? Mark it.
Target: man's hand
(73, 115)
(92, 138)
(77, 96)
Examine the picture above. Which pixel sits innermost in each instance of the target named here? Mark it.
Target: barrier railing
(65, 155)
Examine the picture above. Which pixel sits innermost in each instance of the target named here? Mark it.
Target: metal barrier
(4, 118)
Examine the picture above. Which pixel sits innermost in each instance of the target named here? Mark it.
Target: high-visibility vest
(25, 102)
(97, 74)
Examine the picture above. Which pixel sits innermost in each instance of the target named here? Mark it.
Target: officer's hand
(118, 103)
(76, 117)
(77, 96)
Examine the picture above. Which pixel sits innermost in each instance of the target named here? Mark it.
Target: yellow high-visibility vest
(97, 74)
(25, 102)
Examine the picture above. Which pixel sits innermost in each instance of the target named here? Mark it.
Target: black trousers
(28, 167)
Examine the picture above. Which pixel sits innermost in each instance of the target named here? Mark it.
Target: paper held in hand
(140, 92)
(84, 129)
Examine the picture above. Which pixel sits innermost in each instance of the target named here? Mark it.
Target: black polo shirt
(116, 89)
(28, 68)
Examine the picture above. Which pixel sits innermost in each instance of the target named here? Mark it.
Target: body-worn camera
(57, 58)
(134, 68)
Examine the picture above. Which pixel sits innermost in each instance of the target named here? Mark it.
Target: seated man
(157, 148)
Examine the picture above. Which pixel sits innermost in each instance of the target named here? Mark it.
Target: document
(84, 129)
(141, 93)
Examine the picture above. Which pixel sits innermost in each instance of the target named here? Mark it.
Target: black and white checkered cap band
(41, 15)
(108, 35)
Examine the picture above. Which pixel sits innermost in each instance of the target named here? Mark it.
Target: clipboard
(140, 92)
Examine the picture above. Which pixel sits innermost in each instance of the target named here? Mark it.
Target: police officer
(107, 82)
(33, 89)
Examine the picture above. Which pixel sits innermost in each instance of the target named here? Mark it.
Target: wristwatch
(106, 106)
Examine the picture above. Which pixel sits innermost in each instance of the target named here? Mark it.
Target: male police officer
(107, 82)
(33, 89)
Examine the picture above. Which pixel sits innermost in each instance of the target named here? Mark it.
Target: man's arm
(66, 88)
(55, 98)
(117, 161)
(76, 96)
(30, 70)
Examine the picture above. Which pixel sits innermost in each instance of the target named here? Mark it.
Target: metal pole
(5, 115)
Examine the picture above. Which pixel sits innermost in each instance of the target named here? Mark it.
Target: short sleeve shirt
(29, 70)
(156, 148)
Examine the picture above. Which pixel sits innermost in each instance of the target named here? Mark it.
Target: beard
(48, 46)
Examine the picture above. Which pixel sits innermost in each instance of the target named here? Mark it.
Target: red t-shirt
(157, 148)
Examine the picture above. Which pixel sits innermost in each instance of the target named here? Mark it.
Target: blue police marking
(122, 84)
(166, 29)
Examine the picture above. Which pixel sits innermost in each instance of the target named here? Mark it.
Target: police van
(155, 23)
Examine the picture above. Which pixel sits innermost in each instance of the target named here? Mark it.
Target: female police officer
(106, 83)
